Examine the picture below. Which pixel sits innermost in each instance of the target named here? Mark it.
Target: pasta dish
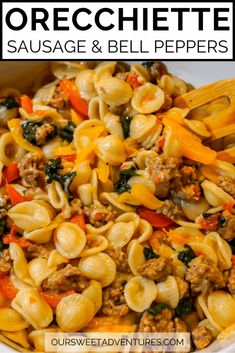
(117, 192)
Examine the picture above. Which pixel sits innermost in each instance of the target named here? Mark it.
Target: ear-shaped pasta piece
(37, 338)
(198, 127)
(85, 84)
(144, 231)
(57, 196)
(135, 256)
(11, 320)
(206, 249)
(113, 124)
(40, 236)
(85, 192)
(55, 259)
(8, 148)
(33, 308)
(219, 168)
(114, 91)
(99, 267)
(221, 248)
(20, 265)
(221, 306)
(168, 292)
(18, 337)
(139, 293)
(129, 217)
(120, 234)
(99, 230)
(215, 195)
(97, 108)
(166, 84)
(95, 244)
(113, 199)
(45, 94)
(29, 215)
(141, 125)
(86, 132)
(39, 270)
(94, 293)
(110, 149)
(105, 70)
(70, 240)
(74, 312)
(147, 98)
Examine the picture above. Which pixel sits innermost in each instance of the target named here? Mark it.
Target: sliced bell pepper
(7, 288)
(15, 196)
(142, 194)
(12, 238)
(54, 299)
(79, 219)
(11, 172)
(27, 104)
(191, 146)
(103, 171)
(155, 219)
(79, 104)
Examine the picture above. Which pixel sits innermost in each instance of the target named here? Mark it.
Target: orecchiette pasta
(30, 215)
(74, 312)
(139, 293)
(70, 240)
(117, 195)
(33, 308)
(99, 267)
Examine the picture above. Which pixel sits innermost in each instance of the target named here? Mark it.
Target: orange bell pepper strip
(79, 104)
(228, 206)
(12, 238)
(191, 146)
(79, 219)
(53, 299)
(15, 196)
(155, 219)
(7, 288)
(11, 172)
(134, 80)
(27, 104)
(69, 158)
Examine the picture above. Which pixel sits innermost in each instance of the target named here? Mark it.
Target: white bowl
(20, 74)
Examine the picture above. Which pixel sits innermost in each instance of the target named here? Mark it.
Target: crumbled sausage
(114, 301)
(59, 100)
(35, 251)
(157, 269)
(183, 287)
(170, 210)
(120, 258)
(161, 168)
(180, 326)
(66, 279)
(187, 192)
(75, 207)
(162, 322)
(227, 230)
(42, 132)
(202, 274)
(31, 170)
(231, 280)
(98, 214)
(227, 184)
(5, 261)
(202, 337)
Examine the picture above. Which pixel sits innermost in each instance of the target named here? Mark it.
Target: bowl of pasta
(117, 193)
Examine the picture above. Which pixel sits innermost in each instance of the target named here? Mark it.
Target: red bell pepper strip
(79, 104)
(26, 104)
(79, 220)
(11, 172)
(53, 299)
(15, 196)
(7, 288)
(155, 219)
(12, 238)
